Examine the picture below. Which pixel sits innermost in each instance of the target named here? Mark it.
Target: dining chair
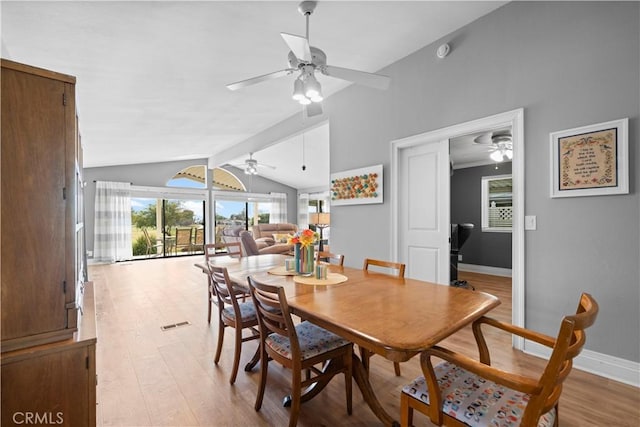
(183, 239)
(212, 250)
(151, 248)
(298, 348)
(396, 269)
(463, 391)
(197, 245)
(234, 314)
(330, 258)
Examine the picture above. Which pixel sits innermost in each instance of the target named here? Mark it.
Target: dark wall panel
(482, 248)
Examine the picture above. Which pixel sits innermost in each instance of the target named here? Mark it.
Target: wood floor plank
(148, 377)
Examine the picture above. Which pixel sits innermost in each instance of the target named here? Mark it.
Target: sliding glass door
(163, 227)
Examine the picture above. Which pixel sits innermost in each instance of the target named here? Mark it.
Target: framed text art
(357, 186)
(590, 160)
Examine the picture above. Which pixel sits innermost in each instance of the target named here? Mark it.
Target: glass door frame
(173, 193)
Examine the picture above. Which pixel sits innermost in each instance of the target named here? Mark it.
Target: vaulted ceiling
(151, 76)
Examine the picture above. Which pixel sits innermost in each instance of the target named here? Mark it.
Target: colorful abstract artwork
(357, 186)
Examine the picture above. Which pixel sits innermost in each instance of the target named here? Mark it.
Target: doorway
(513, 119)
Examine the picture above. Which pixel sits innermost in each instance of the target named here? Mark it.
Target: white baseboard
(614, 368)
(485, 269)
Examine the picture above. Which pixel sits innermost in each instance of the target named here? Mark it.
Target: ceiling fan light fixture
(496, 156)
(298, 90)
(312, 87)
(317, 98)
(304, 101)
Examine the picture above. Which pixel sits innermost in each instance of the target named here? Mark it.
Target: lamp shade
(322, 218)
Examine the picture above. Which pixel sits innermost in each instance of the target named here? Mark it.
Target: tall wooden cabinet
(48, 347)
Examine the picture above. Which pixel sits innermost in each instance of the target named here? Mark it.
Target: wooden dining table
(394, 317)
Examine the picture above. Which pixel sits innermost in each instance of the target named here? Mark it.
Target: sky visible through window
(139, 204)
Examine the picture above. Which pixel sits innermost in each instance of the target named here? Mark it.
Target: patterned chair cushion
(475, 401)
(313, 340)
(247, 311)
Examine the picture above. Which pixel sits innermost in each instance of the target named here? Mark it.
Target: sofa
(250, 246)
(271, 234)
(262, 245)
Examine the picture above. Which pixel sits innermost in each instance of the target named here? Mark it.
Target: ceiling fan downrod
(306, 8)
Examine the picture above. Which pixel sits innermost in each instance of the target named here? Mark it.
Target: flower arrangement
(305, 237)
(303, 252)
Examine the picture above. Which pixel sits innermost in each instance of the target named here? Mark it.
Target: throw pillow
(281, 238)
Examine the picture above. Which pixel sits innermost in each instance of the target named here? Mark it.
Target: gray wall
(567, 64)
(157, 175)
(481, 248)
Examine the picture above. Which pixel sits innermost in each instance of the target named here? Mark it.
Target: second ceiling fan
(306, 60)
(251, 165)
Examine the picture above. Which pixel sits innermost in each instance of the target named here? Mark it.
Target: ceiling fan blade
(259, 79)
(262, 165)
(298, 45)
(377, 81)
(313, 109)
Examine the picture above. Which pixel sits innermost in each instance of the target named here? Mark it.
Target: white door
(423, 211)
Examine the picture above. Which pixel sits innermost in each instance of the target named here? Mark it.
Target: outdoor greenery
(140, 246)
(241, 218)
(174, 214)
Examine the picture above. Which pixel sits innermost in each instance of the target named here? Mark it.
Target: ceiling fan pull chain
(304, 167)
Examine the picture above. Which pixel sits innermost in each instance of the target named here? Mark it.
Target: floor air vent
(174, 325)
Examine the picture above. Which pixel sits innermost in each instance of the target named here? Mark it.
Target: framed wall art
(357, 186)
(590, 160)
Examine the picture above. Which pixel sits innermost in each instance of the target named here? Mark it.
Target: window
(246, 209)
(497, 206)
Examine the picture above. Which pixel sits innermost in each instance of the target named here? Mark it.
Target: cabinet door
(54, 387)
(33, 207)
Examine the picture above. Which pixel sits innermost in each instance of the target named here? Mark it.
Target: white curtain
(278, 213)
(303, 211)
(112, 232)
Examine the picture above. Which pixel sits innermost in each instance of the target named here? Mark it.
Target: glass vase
(304, 259)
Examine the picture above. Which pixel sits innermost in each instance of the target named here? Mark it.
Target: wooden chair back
(183, 239)
(198, 239)
(223, 288)
(216, 249)
(273, 312)
(331, 258)
(568, 344)
(397, 267)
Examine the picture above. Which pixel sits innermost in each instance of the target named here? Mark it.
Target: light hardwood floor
(150, 377)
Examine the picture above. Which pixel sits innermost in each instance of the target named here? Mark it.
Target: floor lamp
(321, 220)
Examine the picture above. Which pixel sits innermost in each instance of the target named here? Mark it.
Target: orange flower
(305, 237)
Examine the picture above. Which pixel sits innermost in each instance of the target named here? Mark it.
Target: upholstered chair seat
(475, 401)
(313, 340)
(247, 312)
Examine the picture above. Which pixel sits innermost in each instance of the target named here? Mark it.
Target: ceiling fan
(251, 165)
(501, 144)
(306, 60)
